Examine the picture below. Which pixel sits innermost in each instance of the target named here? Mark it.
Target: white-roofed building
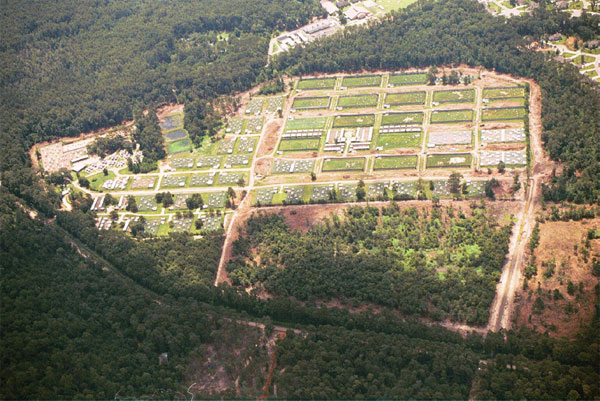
(329, 7)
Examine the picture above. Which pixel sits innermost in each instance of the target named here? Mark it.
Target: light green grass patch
(408, 79)
(344, 164)
(316, 83)
(512, 113)
(97, 180)
(395, 141)
(454, 96)
(299, 145)
(311, 103)
(361, 80)
(369, 100)
(306, 123)
(356, 120)
(454, 160)
(402, 118)
(451, 116)
(503, 93)
(405, 98)
(395, 162)
(182, 145)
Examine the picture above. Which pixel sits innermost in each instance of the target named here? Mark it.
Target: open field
(395, 162)
(504, 113)
(321, 102)
(402, 118)
(299, 145)
(354, 120)
(305, 123)
(405, 98)
(452, 116)
(504, 92)
(350, 101)
(179, 146)
(344, 164)
(418, 78)
(395, 141)
(316, 83)
(454, 96)
(453, 160)
(361, 80)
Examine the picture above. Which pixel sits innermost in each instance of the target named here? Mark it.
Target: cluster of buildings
(357, 138)
(355, 14)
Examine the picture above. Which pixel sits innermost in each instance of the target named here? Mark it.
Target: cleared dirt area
(167, 109)
(269, 138)
(233, 365)
(561, 256)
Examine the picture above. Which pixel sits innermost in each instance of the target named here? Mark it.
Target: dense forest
(461, 32)
(442, 264)
(79, 326)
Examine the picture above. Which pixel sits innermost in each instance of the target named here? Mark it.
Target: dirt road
(503, 305)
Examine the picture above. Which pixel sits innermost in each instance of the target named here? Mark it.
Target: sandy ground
(558, 243)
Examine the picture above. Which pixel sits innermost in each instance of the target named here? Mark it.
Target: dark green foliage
(334, 363)
(394, 263)
(103, 146)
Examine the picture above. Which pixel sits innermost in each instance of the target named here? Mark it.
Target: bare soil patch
(561, 249)
(269, 138)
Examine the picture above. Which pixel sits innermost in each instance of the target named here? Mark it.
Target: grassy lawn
(402, 118)
(316, 83)
(449, 160)
(344, 164)
(395, 162)
(306, 123)
(299, 145)
(567, 54)
(360, 120)
(454, 96)
(361, 80)
(586, 59)
(405, 98)
(408, 79)
(97, 180)
(450, 116)
(311, 103)
(503, 93)
(391, 5)
(512, 113)
(358, 101)
(182, 145)
(394, 141)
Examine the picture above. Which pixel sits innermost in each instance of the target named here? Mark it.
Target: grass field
(405, 98)
(391, 5)
(306, 123)
(317, 83)
(449, 160)
(361, 80)
(503, 93)
(299, 145)
(402, 118)
(395, 162)
(344, 164)
(97, 180)
(513, 113)
(182, 145)
(454, 96)
(395, 141)
(450, 116)
(358, 101)
(408, 79)
(311, 103)
(357, 120)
